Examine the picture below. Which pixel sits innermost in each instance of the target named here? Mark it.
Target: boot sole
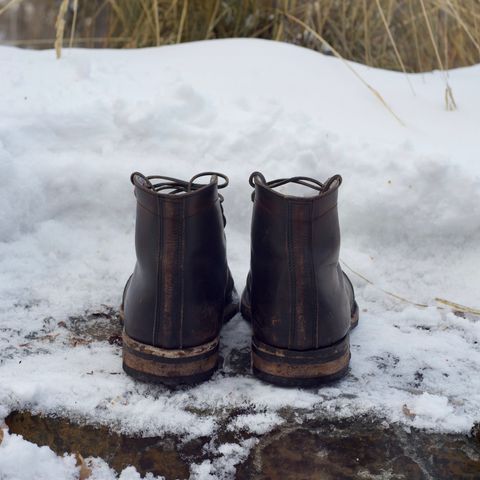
(172, 367)
(309, 368)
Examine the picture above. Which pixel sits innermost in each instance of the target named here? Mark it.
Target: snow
(257, 423)
(36, 462)
(223, 467)
(72, 131)
(22, 460)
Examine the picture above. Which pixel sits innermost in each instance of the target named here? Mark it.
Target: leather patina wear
(300, 303)
(181, 290)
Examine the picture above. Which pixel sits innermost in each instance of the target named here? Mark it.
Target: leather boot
(300, 303)
(181, 290)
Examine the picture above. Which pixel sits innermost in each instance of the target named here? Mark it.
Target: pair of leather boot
(300, 304)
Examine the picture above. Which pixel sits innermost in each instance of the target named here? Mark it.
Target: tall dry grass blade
(182, 21)
(213, 19)
(279, 34)
(415, 36)
(11, 3)
(445, 41)
(394, 295)
(450, 104)
(458, 307)
(373, 90)
(366, 38)
(394, 45)
(74, 23)
(146, 24)
(119, 12)
(143, 24)
(157, 21)
(457, 16)
(60, 27)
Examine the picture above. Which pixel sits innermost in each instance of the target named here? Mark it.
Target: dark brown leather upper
(297, 295)
(181, 284)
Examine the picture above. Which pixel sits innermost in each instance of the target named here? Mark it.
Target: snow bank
(71, 132)
(22, 460)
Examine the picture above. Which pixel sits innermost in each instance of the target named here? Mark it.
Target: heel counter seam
(181, 265)
(291, 276)
(158, 299)
(313, 279)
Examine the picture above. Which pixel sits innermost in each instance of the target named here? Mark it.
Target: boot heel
(294, 368)
(168, 366)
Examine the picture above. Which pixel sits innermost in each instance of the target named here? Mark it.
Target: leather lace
(172, 186)
(176, 185)
(257, 177)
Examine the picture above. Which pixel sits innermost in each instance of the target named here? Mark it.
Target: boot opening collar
(332, 184)
(174, 186)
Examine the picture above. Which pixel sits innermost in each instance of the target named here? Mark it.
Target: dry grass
(406, 35)
(60, 27)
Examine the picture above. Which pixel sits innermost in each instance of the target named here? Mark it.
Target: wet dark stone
(476, 431)
(321, 450)
(454, 458)
(404, 467)
(165, 456)
(317, 449)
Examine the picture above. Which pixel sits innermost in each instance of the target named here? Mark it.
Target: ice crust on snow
(72, 131)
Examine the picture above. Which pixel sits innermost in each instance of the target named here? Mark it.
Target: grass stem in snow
(373, 90)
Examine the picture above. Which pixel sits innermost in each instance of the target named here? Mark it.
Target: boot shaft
(297, 290)
(175, 298)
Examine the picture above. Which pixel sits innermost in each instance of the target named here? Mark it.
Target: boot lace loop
(174, 185)
(258, 178)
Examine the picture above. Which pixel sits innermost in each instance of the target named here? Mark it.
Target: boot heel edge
(170, 367)
(292, 368)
